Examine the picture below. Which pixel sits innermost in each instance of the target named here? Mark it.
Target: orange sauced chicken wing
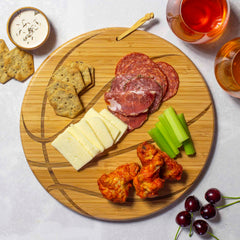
(157, 167)
(148, 183)
(146, 152)
(171, 169)
(115, 185)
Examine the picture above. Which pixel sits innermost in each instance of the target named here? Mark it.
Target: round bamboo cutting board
(39, 124)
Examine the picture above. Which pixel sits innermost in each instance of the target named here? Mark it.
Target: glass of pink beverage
(198, 21)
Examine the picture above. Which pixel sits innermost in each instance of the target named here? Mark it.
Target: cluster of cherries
(208, 211)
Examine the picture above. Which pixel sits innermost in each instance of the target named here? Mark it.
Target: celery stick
(167, 137)
(161, 142)
(176, 124)
(167, 126)
(188, 144)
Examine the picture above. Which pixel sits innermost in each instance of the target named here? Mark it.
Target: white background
(28, 212)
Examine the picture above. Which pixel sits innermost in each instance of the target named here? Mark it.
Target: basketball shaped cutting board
(39, 124)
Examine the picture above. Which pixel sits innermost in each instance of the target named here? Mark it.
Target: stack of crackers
(16, 63)
(68, 82)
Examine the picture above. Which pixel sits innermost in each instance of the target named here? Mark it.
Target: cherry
(192, 204)
(208, 211)
(183, 219)
(201, 227)
(213, 195)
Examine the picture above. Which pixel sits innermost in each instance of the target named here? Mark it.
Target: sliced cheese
(72, 150)
(76, 132)
(114, 131)
(115, 121)
(87, 131)
(101, 131)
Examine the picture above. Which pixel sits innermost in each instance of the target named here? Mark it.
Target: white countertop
(28, 212)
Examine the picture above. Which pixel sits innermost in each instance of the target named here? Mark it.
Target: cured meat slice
(131, 62)
(172, 78)
(142, 83)
(133, 122)
(141, 64)
(129, 103)
(119, 82)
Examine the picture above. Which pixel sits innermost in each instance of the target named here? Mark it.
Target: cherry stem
(177, 233)
(190, 230)
(231, 197)
(223, 206)
(213, 235)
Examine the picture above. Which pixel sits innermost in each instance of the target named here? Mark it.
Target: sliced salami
(143, 83)
(129, 103)
(131, 62)
(141, 64)
(172, 78)
(119, 82)
(139, 87)
(133, 122)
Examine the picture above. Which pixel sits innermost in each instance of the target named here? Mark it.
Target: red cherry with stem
(213, 196)
(208, 211)
(183, 219)
(201, 227)
(192, 204)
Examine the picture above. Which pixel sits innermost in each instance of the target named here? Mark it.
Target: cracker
(3, 50)
(55, 85)
(69, 74)
(85, 71)
(65, 103)
(18, 64)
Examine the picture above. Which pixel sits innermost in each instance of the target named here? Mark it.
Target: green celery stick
(167, 137)
(167, 126)
(188, 144)
(176, 124)
(161, 142)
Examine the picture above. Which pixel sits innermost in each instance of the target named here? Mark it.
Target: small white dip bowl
(28, 28)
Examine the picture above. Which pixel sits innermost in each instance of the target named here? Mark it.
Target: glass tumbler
(227, 67)
(198, 21)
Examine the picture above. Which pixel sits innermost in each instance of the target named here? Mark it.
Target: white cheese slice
(76, 132)
(101, 131)
(87, 131)
(115, 121)
(114, 131)
(72, 150)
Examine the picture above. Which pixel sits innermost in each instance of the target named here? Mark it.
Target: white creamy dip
(29, 28)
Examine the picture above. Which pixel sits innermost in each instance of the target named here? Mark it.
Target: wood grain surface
(39, 125)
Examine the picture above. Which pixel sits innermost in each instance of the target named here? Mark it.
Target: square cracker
(18, 64)
(3, 50)
(65, 102)
(69, 74)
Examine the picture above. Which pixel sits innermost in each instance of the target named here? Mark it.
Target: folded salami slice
(133, 122)
(129, 103)
(172, 78)
(143, 83)
(141, 64)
